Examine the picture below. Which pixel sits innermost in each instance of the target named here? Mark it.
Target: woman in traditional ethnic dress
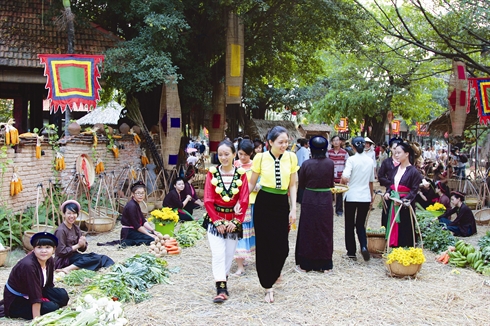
(273, 215)
(246, 246)
(135, 229)
(177, 199)
(226, 200)
(405, 185)
(189, 189)
(29, 291)
(71, 244)
(314, 244)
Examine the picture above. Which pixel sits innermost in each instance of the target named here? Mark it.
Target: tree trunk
(217, 122)
(377, 133)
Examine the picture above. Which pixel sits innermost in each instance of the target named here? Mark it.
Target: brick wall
(33, 171)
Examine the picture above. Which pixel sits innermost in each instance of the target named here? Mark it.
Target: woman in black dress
(404, 187)
(29, 291)
(314, 244)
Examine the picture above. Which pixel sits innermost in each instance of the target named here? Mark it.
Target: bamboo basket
(482, 217)
(100, 224)
(395, 269)
(376, 244)
(471, 202)
(26, 240)
(3, 255)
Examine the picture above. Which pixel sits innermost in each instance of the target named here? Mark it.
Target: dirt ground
(356, 293)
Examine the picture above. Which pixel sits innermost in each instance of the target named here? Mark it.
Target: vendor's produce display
(89, 311)
(99, 166)
(130, 280)
(465, 254)
(144, 159)
(435, 237)
(115, 150)
(189, 233)
(436, 209)
(166, 245)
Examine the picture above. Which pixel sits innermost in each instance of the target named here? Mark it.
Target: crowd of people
(250, 200)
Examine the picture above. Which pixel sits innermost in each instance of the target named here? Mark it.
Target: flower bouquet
(164, 219)
(437, 209)
(405, 261)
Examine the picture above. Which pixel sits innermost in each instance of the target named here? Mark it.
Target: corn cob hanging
(38, 147)
(11, 133)
(115, 150)
(144, 159)
(137, 138)
(133, 174)
(15, 185)
(60, 162)
(99, 167)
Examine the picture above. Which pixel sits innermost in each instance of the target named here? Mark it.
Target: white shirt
(303, 154)
(359, 170)
(191, 160)
(370, 153)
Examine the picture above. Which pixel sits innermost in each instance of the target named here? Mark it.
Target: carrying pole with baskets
(396, 269)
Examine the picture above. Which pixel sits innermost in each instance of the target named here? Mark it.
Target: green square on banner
(72, 77)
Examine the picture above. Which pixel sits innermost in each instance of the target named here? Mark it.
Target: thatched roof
(258, 129)
(315, 127)
(441, 124)
(107, 114)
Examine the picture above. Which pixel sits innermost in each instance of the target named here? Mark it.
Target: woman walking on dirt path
(226, 200)
(274, 211)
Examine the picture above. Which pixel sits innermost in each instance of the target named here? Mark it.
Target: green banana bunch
(456, 258)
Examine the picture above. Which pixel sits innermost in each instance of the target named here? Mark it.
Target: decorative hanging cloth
(480, 87)
(72, 80)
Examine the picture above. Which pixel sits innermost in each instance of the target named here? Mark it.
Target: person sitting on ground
(29, 291)
(71, 244)
(174, 200)
(189, 189)
(426, 195)
(442, 190)
(464, 224)
(135, 229)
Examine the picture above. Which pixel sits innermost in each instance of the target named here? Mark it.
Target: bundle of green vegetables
(189, 233)
(434, 236)
(89, 312)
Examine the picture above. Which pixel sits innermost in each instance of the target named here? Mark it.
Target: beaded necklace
(217, 181)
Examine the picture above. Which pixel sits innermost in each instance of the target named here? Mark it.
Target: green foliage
(434, 237)
(6, 108)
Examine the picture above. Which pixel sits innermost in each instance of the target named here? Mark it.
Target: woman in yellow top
(272, 214)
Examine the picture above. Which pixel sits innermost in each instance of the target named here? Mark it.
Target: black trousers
(339, 204)
(136, 238)
(355, 222)
(22, 308)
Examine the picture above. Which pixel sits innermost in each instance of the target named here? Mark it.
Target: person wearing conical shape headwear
(314, 244)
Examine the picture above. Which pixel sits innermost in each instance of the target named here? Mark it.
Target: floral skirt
(246, 246)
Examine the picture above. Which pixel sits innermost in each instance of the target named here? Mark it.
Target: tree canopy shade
(445, 29)
(187, 38)
(366, 80)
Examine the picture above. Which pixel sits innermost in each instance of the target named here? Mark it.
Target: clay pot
(124, 129)
(100, 128)
(74, 128)
(136, 129)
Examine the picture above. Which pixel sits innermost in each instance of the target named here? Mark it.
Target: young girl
(273, 215)
(29, 291)
(226, 200)
(246, 246)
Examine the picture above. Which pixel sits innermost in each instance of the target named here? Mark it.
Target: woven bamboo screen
(234, 59)
(458, 97)
(170, 114)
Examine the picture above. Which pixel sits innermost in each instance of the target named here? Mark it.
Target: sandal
(269, 296)
(220, 298)
(299, 269)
